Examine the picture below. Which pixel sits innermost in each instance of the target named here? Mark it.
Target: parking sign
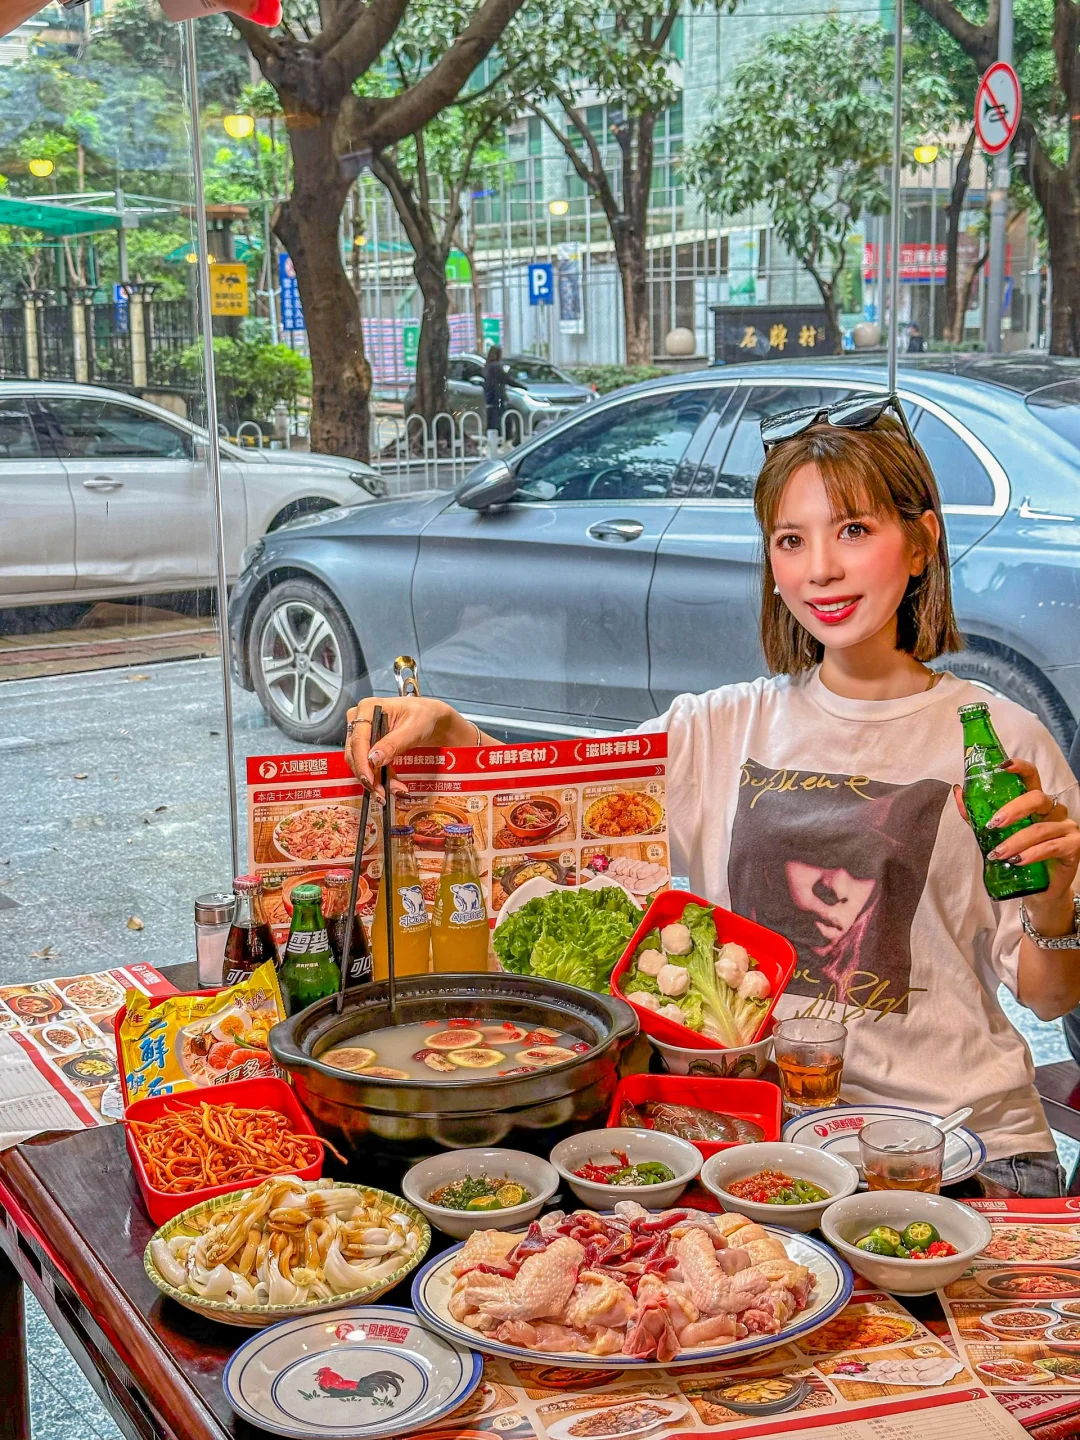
(541, 284)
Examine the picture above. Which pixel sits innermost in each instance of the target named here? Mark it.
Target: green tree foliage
(806, 129)
(252, 376)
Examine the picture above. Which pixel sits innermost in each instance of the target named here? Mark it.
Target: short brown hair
(878, 470)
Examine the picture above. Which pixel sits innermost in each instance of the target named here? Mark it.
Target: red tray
(775, 957)
(757, 1100)
(269, 1093)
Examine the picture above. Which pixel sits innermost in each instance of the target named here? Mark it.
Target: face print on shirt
(838, 864)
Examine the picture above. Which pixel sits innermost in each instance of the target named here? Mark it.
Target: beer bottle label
(307, 942)
(468, 903)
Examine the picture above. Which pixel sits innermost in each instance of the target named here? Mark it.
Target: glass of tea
(809, 1054)
(902, 1155)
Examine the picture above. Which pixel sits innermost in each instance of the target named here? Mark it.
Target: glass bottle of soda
(337, 884)
(412, 933)
(250, 943)
(459, 925)
(987, 787)
(309, 970)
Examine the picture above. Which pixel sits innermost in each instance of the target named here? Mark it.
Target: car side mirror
(491, 483)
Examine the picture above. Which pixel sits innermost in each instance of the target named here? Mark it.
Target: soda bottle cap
(458, 829)
(401, 831)
(305, 894)
(247, 884)
(979, 708)
(335, 877)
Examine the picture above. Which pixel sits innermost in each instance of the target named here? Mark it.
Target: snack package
(185, 1042)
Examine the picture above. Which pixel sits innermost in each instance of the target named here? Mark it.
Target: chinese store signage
(770, 332)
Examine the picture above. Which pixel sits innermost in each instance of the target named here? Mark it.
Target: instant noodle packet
(185, 1042)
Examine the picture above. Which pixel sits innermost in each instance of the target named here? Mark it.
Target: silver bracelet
(1053, 942)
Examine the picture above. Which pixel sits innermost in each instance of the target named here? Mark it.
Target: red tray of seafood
(267, 1094)
(773, 956)
(732, 1112)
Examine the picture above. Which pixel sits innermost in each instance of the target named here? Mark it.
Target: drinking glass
(809, 1054)
(902, 1155)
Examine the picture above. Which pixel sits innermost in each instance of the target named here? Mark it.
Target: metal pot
(376, 1119)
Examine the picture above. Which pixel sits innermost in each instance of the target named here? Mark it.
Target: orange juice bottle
(412, 933)
(459, 925)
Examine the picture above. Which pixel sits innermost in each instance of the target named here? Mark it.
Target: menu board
(1015, 1314)
(873, 1372)
(58, 1068)
(565, 811)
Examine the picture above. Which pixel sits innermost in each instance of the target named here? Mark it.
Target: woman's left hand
(1053, 836)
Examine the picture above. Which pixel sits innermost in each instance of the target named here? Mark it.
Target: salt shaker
(213, 917)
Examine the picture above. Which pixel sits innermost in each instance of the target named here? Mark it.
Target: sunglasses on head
(857, 412)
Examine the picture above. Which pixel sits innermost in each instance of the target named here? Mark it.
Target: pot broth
(446, 1050)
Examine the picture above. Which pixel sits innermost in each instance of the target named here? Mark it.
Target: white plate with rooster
(362, 1372)
(833, 1281)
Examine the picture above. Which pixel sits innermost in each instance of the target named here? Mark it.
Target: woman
(818, 801)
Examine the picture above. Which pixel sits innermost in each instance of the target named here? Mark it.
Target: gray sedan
(542, 395)
(612, 561)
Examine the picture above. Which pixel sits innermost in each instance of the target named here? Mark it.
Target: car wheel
(1002, 672)
(311, 505)
(305, 662)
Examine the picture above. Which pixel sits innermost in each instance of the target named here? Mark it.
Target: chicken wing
(712, 1289)
(539, 1290)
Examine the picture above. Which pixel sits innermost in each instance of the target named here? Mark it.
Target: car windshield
(1058, 406)
(538, 370)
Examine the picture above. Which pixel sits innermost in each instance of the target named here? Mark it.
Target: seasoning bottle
(336, 887)
(309, 970)
(250, 943)
(459, 925)
(412, 935)
(987, 787)
(213, 916)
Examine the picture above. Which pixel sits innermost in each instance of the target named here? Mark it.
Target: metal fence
(412, 454)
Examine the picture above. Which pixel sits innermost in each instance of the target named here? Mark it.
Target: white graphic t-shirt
(832, 821)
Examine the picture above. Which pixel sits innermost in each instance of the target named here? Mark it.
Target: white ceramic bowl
(638, 1145)
(852, 1218)
(535, 1174)
(739, 1062)
(799, 1161)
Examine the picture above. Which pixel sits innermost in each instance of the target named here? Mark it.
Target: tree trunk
(1062, 221)
(307, 225)
(832, 318)
(632, 260)
(969, 285)
(433, 350)
(954, 321)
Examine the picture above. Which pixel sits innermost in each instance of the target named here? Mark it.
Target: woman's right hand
(411, 722)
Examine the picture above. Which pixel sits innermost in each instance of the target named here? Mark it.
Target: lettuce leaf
(573, 936)
(725, 1016)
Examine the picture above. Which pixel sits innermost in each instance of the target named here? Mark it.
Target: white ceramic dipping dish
(637, 1145)
(852, 1218)
(538, 1177)
(802, 1162)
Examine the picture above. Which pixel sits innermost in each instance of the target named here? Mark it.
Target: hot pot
(376, 1119)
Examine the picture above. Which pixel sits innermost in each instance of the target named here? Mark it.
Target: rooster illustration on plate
(376, 1387)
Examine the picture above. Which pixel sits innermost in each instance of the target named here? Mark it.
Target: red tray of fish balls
(775, 957)
(755, 1100)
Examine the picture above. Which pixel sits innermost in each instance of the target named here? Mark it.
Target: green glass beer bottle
(309, 970)
(987, 787)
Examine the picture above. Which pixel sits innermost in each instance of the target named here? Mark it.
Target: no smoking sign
(997, 107)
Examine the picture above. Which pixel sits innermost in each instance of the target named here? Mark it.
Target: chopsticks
(377, 721)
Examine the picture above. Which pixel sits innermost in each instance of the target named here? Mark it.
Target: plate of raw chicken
(632, 1288)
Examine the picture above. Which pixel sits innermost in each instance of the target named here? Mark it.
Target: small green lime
(888, 1234)
(919, 1234)
(874, 1245)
